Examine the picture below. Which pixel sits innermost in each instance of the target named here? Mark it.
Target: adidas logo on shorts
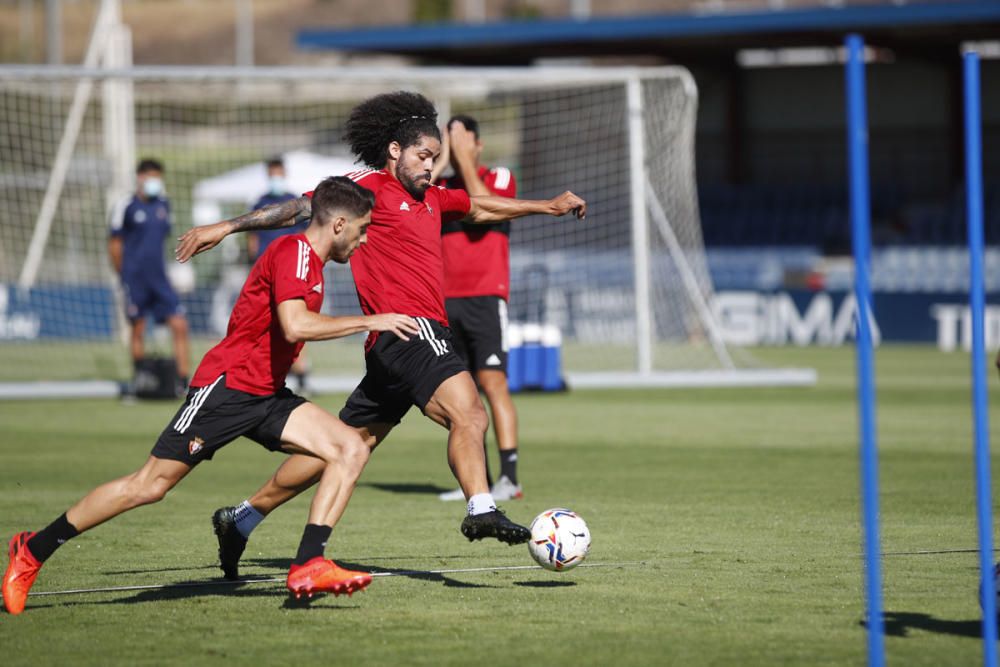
(493, 360)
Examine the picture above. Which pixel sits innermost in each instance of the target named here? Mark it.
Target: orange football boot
(21, 572)
(319, 575)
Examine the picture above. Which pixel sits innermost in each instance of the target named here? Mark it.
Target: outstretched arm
(299, 324)
(275, 216)
(497, 209)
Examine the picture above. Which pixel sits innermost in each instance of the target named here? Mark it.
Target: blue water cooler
(534, 357)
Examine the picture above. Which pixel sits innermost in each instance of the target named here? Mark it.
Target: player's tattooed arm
(275, 216)
(497, 209)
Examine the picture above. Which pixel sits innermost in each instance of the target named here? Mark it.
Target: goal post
(628, 287)
(105, 45)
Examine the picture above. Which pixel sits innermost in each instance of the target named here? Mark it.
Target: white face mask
(277, 185)
(152, 187)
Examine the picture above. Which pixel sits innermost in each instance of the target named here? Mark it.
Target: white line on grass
(929, 552)
(270, 580)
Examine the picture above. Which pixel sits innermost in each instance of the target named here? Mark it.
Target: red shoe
(319, 575)
(21, 572)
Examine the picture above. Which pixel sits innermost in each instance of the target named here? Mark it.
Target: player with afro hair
(400, 267)
(399, 117)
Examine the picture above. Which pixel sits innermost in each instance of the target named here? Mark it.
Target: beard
(417, 187)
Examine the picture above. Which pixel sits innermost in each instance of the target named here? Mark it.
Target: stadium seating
(798, 215)
(900, 268)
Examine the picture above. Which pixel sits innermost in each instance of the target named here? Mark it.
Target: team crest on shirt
(195, 446)
(161, 212)
(140, 216)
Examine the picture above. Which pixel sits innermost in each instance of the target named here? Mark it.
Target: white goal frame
(448, 80)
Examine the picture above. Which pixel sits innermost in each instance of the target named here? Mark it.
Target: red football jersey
(255, 355)
(399, 268)
(477, 257)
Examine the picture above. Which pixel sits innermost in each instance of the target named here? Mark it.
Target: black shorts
(479, 331)
(214, 415)
(402, 373)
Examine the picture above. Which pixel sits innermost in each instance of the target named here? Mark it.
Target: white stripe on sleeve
(359, 174)
(302, 268)
(502, 181)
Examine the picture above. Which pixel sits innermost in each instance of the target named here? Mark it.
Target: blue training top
(266, 236)
(143, 226)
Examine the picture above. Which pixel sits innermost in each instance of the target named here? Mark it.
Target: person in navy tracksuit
(140, 224)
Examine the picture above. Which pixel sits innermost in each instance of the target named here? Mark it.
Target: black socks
(50, 538)
(313, 543)
(508, 464)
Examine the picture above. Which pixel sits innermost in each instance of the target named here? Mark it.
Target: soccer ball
(560, 539)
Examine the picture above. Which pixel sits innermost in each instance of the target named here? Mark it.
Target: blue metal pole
(977, 299)
(857, 139)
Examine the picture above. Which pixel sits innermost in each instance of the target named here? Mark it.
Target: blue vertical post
(857, 140)
(977, 298)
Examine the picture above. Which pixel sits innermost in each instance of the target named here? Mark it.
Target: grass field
(741, 506)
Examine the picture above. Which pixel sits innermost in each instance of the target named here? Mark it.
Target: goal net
(628, 288)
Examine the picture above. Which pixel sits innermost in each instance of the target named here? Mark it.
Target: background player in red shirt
(239, 389)
(477, 289)
(400, 268)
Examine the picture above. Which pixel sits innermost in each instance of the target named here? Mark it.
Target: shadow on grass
(899, 623)
(184, 590)
(419, 575)
(406, 488)
(279, 563)
(545, 584)
(283, 563)
(186, 568)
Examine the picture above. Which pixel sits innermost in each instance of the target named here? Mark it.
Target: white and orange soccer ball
(560, 539)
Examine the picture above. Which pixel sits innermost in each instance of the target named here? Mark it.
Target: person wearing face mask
(277, 192)
(257, 243)
(139, 226)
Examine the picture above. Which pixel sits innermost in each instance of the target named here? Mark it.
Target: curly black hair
(378, 121)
